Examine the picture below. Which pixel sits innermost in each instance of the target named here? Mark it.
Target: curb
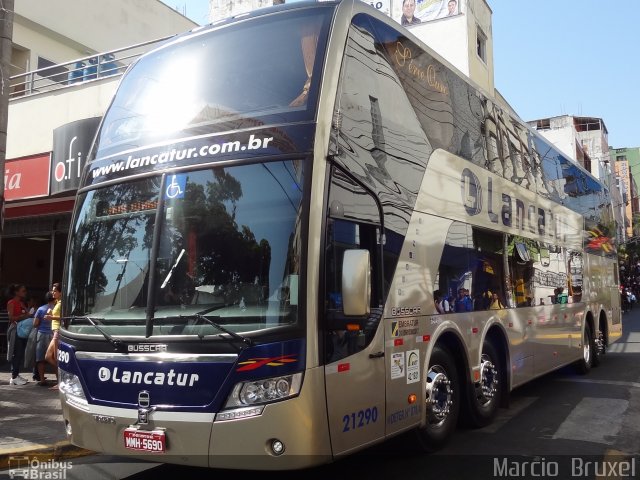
(58, 451)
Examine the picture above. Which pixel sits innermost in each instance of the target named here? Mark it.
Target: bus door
(353, 336)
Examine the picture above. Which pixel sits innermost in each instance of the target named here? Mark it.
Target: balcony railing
(78, 71)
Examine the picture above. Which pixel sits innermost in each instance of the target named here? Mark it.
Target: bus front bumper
(299, 424)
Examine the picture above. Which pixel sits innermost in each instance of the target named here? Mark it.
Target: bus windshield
(228, 247)
(260, 71)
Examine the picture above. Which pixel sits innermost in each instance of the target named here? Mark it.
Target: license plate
(145, 441)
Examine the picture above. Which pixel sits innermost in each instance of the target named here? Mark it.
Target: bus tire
(484, 398)
(442, 401)
(583, 366)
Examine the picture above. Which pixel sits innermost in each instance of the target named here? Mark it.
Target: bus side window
(523, 254)
(489, 276)
(454, 272)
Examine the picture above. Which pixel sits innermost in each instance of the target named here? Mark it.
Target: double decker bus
(301, 232)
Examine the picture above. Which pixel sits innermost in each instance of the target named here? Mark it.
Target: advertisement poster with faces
(415, 12)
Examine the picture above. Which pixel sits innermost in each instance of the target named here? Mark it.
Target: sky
(556, 57)
(576, 57)
(196, 10)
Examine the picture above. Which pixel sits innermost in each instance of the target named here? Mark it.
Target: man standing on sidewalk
(17, 310)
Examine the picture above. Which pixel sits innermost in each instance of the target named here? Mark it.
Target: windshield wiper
(236, 336)
(116, 342)
(166, 280)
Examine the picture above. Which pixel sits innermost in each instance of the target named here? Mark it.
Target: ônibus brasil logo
(137, 377)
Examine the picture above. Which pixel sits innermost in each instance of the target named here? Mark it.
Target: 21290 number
(359, 419)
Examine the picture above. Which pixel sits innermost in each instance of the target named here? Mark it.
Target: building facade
(67, 59)
(594, 138)
(462, 36)
(219, 9)
(586, 141)
(631, 155)
(635, 207)
(624, 183)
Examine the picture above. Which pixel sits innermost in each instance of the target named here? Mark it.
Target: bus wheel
(588, 347)
(484, 397)
(442, 401)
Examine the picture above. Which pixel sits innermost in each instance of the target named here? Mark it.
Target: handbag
(30, 350)
(24, 327)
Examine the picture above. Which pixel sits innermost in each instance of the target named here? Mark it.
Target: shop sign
(71, 144)
(27, 177)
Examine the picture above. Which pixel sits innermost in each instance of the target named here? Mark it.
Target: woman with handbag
(17, 310)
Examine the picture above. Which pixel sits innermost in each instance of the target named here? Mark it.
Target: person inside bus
(479, 302)
(496, 304)
(442, 304)
(485, 300)
(464, 303)
(408, 9)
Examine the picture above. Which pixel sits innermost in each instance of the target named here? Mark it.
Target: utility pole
(6, 43)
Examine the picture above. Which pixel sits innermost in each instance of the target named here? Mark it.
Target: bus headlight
(69, 384)
(264, 391)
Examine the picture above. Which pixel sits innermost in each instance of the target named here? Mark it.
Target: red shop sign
(27, 177)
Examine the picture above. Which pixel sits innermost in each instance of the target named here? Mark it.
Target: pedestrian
(463, 303)
(496, 304)
(17, 311)
(624, 301)
(27, 330)
(54, 315)
(44, 335)
(30, 355)
(442, 304)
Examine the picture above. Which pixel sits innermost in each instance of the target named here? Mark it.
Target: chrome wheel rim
(488, 380)
(586, 348)
(600, 348)
(439, 396)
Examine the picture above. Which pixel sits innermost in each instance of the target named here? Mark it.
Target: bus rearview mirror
(356, 282)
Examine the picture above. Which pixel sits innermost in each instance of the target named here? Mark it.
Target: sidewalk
(31, 421)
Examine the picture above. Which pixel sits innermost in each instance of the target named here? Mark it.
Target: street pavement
(559, 422)
(31, 420)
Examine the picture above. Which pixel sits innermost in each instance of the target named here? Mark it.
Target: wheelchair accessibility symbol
(176, 187)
